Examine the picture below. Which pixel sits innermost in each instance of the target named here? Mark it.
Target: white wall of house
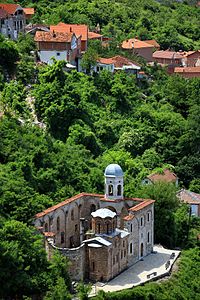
(46, 56)
(194, 210)
(100, 67)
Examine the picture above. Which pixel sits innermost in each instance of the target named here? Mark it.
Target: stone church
(102, 235)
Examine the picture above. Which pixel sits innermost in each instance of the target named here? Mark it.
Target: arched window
(46, 227)
(58, 223)
(119, 190)
(148, 237)
(131, 248)
(107, 228)
(148, 216)
(72, 215)
(92, 208)
(62, 235)
(98, 228)
(110, 190)
(141, 221)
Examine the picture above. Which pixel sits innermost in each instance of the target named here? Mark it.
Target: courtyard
(152, 267)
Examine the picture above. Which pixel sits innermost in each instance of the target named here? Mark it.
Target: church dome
(113, 170)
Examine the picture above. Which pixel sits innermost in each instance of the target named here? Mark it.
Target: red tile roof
(78, 29)
(118, 61)
(153, 42)
(67, 201)
(3, 13)
(189, 197)
(9, 8)
(187, 70)
(100, 196)
(135, 44)
(58, 37)
(129, 218)
(47, 234)
(142, 205)
(94, 35)
(167, 176)
(167, 54)
(28, 11)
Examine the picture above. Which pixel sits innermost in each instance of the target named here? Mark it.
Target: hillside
(59, 130)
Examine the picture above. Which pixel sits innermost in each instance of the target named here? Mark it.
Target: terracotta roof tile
(9, 8)
(28, 10)
(78, 29)
(47, 234)
(167, 54)
(94, 35)
(187, 70)
(142, 205)
(135, 44)
(167, 176)
(58, 37)
(189, 197)
(129, 218)
(67, 201)
(118, 61)
(153, 42)
(3, 13)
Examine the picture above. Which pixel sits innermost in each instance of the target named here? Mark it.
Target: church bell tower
(114, 179)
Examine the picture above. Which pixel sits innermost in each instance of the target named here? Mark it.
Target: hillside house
(188, 72)
(167, 58)
(80, 30)
(60, 45)
(95, 36)
(191, 59)
(192, 199)
(100, 234)
(144, 49)
(29, 12)
(117, 63)
(166, 176)
(12, 20)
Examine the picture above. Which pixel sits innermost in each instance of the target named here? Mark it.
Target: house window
(113, 260)
(124, 253)
(107, 228)
(148, 216)
(110, 190)
(141, 221)
(58, 223)
(119, 190)
(62, 235)
(76, 228)
(121, 254)
(123, 243)
(72, 215)
(131, 227)
(58, 53)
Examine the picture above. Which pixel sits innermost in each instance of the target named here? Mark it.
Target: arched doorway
(141, 250)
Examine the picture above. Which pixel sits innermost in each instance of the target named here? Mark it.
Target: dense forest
(58, 132)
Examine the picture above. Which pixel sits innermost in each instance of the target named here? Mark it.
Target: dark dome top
(113, 170)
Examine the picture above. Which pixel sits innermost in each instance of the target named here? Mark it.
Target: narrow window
(131, 227)
(46, 227)
(99, 228)
(93, 266)
(72, 215)
(141, 221)
(58, 223)
(148, 216)
(62, 235)
(119, 190)
(76, 228)
(107, 228)
(92, 208)
(131, 248)
(148, 237)
(121, 254)
(110, 190)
